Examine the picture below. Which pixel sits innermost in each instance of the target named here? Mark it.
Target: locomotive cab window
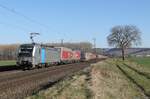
(25, 50)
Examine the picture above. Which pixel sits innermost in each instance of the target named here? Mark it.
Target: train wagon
(36, 55)
(49, 55)
(89, 56)
(76, 55)
(86, 56)
(66, 54)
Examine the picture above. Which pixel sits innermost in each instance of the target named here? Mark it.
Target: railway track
(9, 68)
(136, 77)
(21, 84)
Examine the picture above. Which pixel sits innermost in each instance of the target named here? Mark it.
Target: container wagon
(76, 55)
(86, 56)
(66, 55)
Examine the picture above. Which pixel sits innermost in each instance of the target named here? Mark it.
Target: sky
(71, 20)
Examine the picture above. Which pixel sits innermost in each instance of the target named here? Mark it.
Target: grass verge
(74, 87)
(140, 80)
(102, 80)
(108, 82)
(7, 63)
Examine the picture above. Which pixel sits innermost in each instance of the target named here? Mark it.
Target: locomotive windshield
(25, 50)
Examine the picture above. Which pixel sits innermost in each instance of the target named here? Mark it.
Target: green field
(138, 78)
(7, 62)
(143, 61)
(138, 71)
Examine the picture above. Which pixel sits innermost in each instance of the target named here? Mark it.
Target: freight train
(39, 55)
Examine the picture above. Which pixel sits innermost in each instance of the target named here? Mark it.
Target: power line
(22, 15)
(26, 17)
(62, 42)
(94, 44)
(15, 26)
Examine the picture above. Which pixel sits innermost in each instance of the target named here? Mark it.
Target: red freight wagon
(66, 54)
(76, 55)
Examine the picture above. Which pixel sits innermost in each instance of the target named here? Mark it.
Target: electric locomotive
(37, 55)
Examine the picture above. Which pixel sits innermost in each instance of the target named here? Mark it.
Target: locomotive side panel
(43, 55)
(36, 55)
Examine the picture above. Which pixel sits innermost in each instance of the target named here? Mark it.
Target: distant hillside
(129, 52)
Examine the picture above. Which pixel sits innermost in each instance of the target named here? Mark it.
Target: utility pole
(94, 45)
(62, 42)
(32, 35)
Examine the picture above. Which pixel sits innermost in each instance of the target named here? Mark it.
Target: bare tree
(8, 52)
(124, 37)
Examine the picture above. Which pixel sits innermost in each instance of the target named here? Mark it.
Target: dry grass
(70, 88)
(109, 83)
(104, 81)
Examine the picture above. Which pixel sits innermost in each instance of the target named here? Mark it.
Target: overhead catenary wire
(28, 18)
(22, 15)
(15, 26)
(22, 28)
